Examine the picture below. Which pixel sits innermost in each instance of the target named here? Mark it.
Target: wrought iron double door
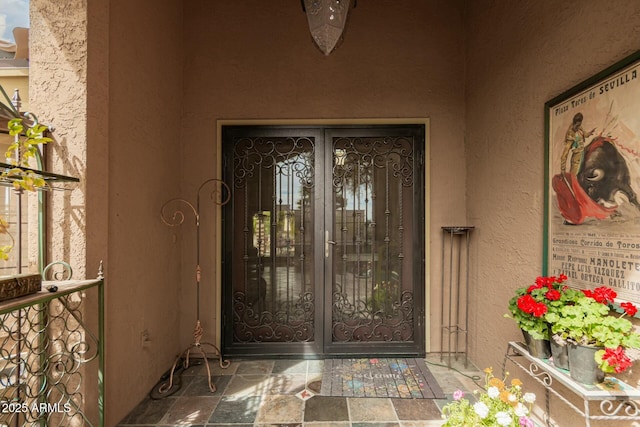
(323, 240)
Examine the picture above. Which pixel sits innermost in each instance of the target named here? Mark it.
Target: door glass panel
(373, 227)
(273, 282)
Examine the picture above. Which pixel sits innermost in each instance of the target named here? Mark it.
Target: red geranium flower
(529, 305)
(545, 281)
(629, 308)
(602, 294)
(553, 295)
(534, 287)
(539, 309)
(526, 303)
(541, 281)
(617, 359)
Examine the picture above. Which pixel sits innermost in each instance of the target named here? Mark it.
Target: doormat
(404, 378)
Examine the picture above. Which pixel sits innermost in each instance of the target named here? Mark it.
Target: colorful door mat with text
(379, 377)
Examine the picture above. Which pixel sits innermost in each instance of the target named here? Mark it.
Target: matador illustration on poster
(598, 180)
(593, 167)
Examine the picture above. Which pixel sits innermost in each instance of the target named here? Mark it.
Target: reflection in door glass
(323, 240)
(273, 292)
(261, 230)
(373, 226)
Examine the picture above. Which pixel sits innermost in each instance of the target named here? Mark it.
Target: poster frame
(605, 84)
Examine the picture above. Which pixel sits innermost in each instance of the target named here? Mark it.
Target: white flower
(503, 418)
(521, 410)
(481, 409)
(529, 397)
(493, 392)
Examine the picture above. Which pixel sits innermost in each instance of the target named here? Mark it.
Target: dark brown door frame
(322, 345)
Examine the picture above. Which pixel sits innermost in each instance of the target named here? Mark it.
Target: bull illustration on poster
(593, 182)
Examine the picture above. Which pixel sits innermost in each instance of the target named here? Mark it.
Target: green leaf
(631, 341)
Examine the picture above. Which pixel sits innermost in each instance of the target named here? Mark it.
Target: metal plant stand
(173, 220)
(613, 400)
(455, 291)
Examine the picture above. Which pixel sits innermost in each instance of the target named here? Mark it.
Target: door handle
(327, 242)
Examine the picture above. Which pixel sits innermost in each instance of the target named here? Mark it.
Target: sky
(13, 13)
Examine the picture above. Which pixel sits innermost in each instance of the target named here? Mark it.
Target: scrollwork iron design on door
(273, 289)
(323, 240)
(373, 225)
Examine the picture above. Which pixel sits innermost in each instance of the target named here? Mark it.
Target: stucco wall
(100, 74)
(250, 60)
(520, 55)
(58, 96)
(145, 75)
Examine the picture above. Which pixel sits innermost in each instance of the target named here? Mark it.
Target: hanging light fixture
(327, 19)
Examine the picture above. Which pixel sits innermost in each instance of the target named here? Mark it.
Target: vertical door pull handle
(327, 242)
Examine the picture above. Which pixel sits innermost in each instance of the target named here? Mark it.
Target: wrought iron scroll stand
(176, 219)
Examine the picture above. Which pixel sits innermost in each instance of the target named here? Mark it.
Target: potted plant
(590, 325)
(498, 404)
(559, 351)
(529, 308)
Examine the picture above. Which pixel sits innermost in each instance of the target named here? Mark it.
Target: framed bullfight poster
(592, 212)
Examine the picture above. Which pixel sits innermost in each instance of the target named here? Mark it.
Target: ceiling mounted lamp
(327, 20)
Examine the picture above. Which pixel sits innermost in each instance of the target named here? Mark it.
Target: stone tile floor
(266, 393)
